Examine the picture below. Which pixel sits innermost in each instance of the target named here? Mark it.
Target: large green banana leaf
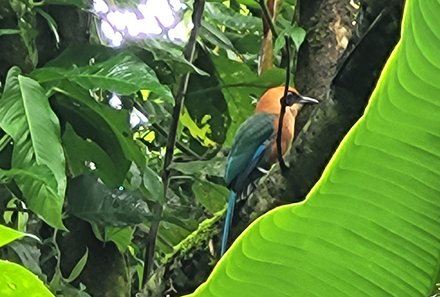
(371, 225)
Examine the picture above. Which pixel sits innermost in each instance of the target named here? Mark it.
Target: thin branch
(198, 8)
(267, 18)
(189, 56)
(287, 53)
(283, 164)
(185, 149)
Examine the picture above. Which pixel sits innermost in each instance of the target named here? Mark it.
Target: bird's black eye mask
(290, 99)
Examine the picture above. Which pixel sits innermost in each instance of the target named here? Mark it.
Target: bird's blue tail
(228, 220)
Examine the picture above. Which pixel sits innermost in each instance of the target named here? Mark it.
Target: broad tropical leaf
(206, 122)
(370, 226)
(121, 236)
(29, 120)
(28, 253)
(80, 152)
(106, 126)
(214, 167)
(8, 235)
(153, 185)
(92, 201)
(123, 73)
(222, 15)
(211, 196)
(215, 36)
(171, 54)
(38, 187)
(16, 280)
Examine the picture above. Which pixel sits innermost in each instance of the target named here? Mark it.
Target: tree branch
(185, 149)
(283, 165)
(180, 98)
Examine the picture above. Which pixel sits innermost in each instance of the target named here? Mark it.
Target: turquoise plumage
(247, 154)
(254, 149)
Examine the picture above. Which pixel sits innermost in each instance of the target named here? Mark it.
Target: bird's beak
(307, 100)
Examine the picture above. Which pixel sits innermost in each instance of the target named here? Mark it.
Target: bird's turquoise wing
(251, 134)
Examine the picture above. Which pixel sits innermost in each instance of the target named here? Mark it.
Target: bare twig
(283, 164)
(289, 56)
(185, 149)
(198, 8)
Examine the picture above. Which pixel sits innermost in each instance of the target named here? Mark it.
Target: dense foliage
(86, 121)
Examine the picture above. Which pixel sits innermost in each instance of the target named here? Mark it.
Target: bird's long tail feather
(228, 221)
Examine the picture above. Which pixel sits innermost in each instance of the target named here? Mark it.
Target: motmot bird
(254, 149)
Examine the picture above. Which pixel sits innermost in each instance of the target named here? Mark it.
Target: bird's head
(273, 98)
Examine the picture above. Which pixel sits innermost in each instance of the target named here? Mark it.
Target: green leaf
(153, 185)
(280, 42)
(212, 167)
(16, 280)
(92, 201)
(248, 45)
(120, 236)
(108, 127)
(271, 78)
(297, 34)
(82, 55)
(371, 225)
(29, 120)
(123, 73)
(26, 19)
(211, 196)
(212, 114)
(215, 36)
(79, 267)
(79, 152)
(8, 235)
(199, 133)
(221, 15)
(249, 3)
(38, 187)
(170, 53)
(29, 254)
(51, 23)
(69, 290)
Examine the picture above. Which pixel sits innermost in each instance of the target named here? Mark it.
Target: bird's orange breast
(286, 136)
(270, 102)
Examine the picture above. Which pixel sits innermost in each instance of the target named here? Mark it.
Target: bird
(254, 148)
